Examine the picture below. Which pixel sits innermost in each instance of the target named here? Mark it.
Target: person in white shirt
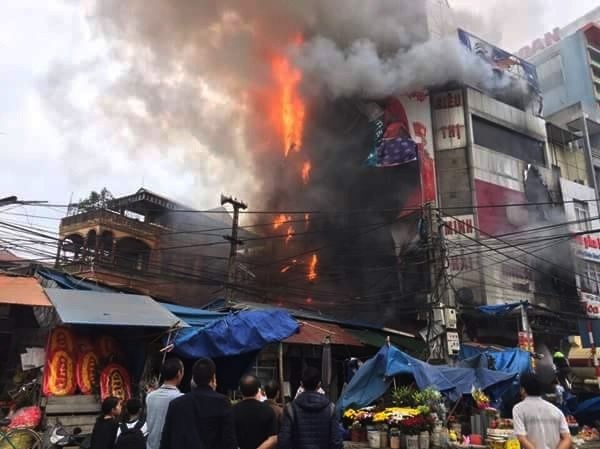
(537, 423)
(157, 402)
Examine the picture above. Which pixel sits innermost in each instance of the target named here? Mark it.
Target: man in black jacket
(309, 421)
(201, 418)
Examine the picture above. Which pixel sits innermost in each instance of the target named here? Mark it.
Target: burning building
(148, 244)
(350, 116)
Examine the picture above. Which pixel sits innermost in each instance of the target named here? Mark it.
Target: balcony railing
(109, 219)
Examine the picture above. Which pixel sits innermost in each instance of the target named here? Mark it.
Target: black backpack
(131, 438)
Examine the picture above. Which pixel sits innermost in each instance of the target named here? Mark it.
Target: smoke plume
(197, 74)
(185, 74)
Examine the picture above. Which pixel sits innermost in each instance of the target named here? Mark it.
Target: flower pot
(356, 435)
(412, 441)
(374, 437)
(424, 440)
(395, 441)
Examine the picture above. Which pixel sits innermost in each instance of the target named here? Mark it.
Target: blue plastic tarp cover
(588, 411)
(69, 282)
(373, 378)
(235, 334)
(499, 309)
(511, 360)
(192, 316)
(370, 381)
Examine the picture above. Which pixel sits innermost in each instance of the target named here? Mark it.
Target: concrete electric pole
(234, 241)
(441, 334)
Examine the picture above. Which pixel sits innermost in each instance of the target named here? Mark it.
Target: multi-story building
(149, 244)
(568, 66)
(502, 175)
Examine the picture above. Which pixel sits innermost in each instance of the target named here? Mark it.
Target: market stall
(395, 400)
(21, 356)
(99, 347)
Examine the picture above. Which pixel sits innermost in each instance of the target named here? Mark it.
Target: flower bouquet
(482, 401)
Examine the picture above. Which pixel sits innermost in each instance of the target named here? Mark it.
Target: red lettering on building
(449, 100)
(452, 131)
(540, 44)
(588, 241)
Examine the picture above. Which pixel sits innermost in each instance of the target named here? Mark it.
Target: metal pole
(280, 358)
(588, 155)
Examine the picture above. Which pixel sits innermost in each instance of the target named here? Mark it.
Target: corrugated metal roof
(314, 333)
(110, 309)
(378, 339)
(25, 291)
(194, 316)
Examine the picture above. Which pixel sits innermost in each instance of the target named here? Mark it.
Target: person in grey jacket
(309, 421)
(157, 402)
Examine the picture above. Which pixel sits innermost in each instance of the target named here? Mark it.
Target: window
(550, 74)
(589, 273)
(582, 215)
(507, 141)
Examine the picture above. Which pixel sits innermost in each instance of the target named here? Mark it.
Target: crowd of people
(204, 418)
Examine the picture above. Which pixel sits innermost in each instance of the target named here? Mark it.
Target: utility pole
(234, 241)
(441, 334)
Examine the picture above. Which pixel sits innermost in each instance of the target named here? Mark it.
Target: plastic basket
(19, 440)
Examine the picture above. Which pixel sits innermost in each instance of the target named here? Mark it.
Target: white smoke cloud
(361, 71)
(183, 73)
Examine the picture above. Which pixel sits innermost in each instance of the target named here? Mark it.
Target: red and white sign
(539, 44)
(526, 341)
(587, 247)
(457, 230)
(591, 304)
(449, 119)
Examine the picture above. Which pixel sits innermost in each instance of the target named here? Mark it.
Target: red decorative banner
(87, 376)
(59, 374)
(115, 381)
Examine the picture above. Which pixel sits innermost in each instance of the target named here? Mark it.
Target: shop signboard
(449, 120)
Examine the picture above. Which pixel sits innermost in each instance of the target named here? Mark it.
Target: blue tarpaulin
(69, 282)
(588, 411)
(510, 360)
(500, 309)
(192, 316)
(236, 334)
(373, 379)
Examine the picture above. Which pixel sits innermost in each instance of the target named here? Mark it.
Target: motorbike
(59, 437)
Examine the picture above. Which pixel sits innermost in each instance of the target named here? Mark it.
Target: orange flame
(290, 234)
(292, 108)
(312, 268)
(280, 221)
(306, 167)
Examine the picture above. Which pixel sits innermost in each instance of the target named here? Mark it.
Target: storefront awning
(110, 309)
(315, 333)
(23, 291)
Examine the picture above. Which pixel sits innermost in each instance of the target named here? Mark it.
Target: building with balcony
(149, 244)
(568, 66)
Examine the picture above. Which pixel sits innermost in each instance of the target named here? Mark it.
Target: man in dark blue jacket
(309, 421)
(201, 418)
